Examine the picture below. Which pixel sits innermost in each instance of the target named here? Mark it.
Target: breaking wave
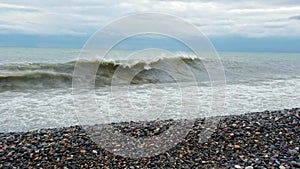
(58, 75)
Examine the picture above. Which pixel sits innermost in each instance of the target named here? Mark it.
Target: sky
(257, 25)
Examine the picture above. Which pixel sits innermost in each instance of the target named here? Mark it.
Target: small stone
(83, 151)
(36, 158)
(281, 167)
(237, 166)
(95, 152)
(69, 158)
(242, 157)
(273, 160)
(292, 152)
(295, 164)
(9, 154)
(237, 147)
(7, 164)
(272, 147)
(249, 167)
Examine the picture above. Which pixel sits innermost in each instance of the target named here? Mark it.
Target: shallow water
(33, 109)
(255, 82)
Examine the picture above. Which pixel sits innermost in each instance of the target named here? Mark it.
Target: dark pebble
(269, 139)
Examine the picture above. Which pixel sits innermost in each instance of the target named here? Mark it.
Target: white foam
(29, 110)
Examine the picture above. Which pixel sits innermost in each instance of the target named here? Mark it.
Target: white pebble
(249, 167)
(281, 167)
(237, 166)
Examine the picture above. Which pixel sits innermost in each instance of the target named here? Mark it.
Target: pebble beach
(269, 139)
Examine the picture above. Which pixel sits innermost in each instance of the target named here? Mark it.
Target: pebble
(282, 167)
(237, 166)
(9, 154)
(83, 151)
(36, 158)
(249, 140)
(257, 133)
(292, 152)
(295, 164)
(237, 147)
(273, 160)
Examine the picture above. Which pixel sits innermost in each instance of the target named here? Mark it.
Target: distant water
(35, 86)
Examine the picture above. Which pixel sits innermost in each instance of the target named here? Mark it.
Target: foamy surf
(45, 75)
(38, 94)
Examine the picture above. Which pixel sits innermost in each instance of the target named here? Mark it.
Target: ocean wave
(133, 62)
(34, 80)
(45, 75)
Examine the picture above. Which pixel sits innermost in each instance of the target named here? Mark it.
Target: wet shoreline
(269, 139)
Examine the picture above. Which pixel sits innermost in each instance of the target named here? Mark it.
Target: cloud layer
(278, 18)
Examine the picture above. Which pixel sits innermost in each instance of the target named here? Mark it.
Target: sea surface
(36, 87)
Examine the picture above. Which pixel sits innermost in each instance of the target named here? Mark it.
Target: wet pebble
(237, 166)
(282, 167)
(292, 152)
(267, 139)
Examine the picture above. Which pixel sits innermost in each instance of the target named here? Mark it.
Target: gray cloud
(218, 17)
(295, 17)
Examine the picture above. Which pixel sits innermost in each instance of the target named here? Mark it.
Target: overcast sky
(218, 18)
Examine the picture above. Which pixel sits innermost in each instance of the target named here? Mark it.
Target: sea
(37, 90)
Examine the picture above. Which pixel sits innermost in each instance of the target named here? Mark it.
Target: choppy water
(35, 87)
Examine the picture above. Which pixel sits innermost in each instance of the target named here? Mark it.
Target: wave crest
(43, 75)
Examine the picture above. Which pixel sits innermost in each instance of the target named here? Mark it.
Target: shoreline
(268, 139)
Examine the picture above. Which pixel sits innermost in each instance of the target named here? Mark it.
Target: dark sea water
(36, 86)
